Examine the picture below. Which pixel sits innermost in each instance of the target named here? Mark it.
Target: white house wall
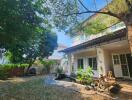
(85, 55)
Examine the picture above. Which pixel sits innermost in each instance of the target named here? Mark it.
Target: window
(80, 63)
(123, 59)
(116, 59)
(92, 62)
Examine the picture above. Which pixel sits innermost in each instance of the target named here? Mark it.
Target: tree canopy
(114, 11)
(26, 30)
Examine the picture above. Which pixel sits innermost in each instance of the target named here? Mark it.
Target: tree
(25, 30)
(120, 9)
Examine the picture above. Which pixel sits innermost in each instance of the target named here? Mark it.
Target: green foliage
(119, 6)
(115, 11)
(10, 66)
(47, 65)
(85, 76)
(3, 74)
(59, 70)
(60, 9)
(5, 68)
(97, 24)
(25, 30)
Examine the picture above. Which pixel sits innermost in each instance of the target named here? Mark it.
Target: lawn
(34, 89)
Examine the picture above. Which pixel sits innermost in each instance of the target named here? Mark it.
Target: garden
(29, 35)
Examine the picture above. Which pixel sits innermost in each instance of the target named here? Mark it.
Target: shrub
(3, 74)
(59, 70)
(85, 76)
(47, 66)
(9, 70)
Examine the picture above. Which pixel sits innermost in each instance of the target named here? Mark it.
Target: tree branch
(83, 5)
(89, 11)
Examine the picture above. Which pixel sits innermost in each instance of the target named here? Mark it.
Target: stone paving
(50, 80)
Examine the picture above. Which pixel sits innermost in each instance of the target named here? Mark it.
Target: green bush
(10, 66)
(47, 66)
(59, 70)
(3, 74)
(5, 69)
(85, 76)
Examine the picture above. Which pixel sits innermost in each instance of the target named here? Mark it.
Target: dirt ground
(34, 86)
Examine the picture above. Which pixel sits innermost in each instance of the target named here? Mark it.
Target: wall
(83, 37)
(84, 56)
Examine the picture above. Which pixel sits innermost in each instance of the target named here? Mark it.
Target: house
(106, 51)
(60, 59)
(3, 59)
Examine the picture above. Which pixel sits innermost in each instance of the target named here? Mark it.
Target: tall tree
(25, 29)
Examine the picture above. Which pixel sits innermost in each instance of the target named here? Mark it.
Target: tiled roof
(98, 41)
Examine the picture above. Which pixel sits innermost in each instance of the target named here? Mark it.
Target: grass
(35, 90)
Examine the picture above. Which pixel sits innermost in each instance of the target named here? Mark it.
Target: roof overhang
(118, 35)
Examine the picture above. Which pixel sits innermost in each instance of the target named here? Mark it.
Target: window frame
(78, 67)
(92, 57)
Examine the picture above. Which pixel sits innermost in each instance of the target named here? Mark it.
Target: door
(121, 63)
(124, 65)
(117, 65)
(129, 60)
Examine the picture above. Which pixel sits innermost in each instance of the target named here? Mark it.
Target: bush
(59, 70)
(3, 74)
(9, 70)
(60, 73)
(85, 76)
(47, 66)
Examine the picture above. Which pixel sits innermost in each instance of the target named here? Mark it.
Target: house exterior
(60, 59)
(3, 59)
(107, 51)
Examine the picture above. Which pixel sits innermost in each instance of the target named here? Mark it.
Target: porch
(113, 57)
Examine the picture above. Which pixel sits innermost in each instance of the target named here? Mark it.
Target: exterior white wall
(3, 60)
(82, 37)
(104, 61)
(75, 64)
(100, 61)
(69, 67)
(85, 55)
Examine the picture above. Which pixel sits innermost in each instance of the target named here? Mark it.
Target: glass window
(116, 59)
(123, 59)
(92, 62)
(80, 63)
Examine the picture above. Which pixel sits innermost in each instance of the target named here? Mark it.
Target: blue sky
(65, 39)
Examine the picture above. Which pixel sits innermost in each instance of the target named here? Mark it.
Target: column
(69, 67)
(101, 61)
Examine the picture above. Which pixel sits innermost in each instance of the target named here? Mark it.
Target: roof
(97, 41)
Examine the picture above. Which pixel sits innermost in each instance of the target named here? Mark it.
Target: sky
(65, 39)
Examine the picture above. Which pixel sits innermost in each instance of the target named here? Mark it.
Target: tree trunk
(30, 64)
(128, 22)
(129, 35)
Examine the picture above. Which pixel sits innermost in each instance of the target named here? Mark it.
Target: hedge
(10, 70)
